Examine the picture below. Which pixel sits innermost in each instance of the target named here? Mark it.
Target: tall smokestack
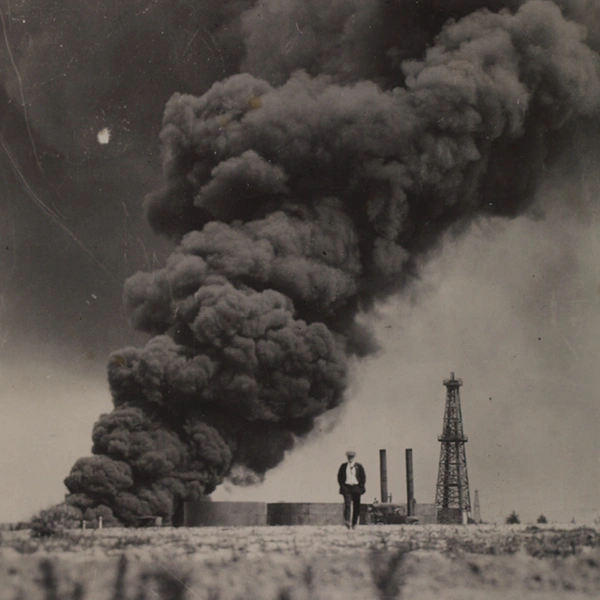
(410, 489)
(383, 475)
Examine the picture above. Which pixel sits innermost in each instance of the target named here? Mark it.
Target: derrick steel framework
(452, 499)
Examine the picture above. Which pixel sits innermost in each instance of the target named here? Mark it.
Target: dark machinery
(389, 514)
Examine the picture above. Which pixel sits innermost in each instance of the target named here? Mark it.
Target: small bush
(542, 519)
(54, 521)
(513, 519)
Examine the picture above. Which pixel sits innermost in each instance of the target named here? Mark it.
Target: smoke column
(298, 193)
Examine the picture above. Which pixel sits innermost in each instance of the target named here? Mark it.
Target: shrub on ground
(513, 518)
(55, 520)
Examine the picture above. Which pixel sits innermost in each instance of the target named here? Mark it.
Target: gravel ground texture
(302, 563)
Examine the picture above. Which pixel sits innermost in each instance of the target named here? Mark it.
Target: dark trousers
(351, 495)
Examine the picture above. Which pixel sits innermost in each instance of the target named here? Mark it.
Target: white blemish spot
(104, 136)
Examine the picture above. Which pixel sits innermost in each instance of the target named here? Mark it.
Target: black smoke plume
(299, 192)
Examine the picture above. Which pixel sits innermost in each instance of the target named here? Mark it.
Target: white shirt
(351, 474)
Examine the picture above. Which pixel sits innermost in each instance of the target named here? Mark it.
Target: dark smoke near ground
(300, 192)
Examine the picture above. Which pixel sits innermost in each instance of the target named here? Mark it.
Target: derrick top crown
(452, 382)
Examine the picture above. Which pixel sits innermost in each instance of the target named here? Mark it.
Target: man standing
(352, 479)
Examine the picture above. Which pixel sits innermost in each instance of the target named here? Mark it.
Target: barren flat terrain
(285, 563)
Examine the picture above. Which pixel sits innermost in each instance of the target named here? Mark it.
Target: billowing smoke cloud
(299, 193)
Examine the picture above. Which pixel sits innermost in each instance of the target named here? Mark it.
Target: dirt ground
(302, 563)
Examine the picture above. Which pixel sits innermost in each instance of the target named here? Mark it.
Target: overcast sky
(510, 305)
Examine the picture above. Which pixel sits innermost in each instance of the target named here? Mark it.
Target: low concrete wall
(426, 513)
(305, 513)
(224, 514)
(239, 514)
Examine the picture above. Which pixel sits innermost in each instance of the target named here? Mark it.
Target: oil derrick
(452, 498)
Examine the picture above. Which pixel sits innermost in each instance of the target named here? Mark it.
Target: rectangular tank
(308, 513)
(224, 514)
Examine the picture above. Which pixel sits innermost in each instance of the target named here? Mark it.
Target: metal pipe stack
(410, 484)
(383, 475)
